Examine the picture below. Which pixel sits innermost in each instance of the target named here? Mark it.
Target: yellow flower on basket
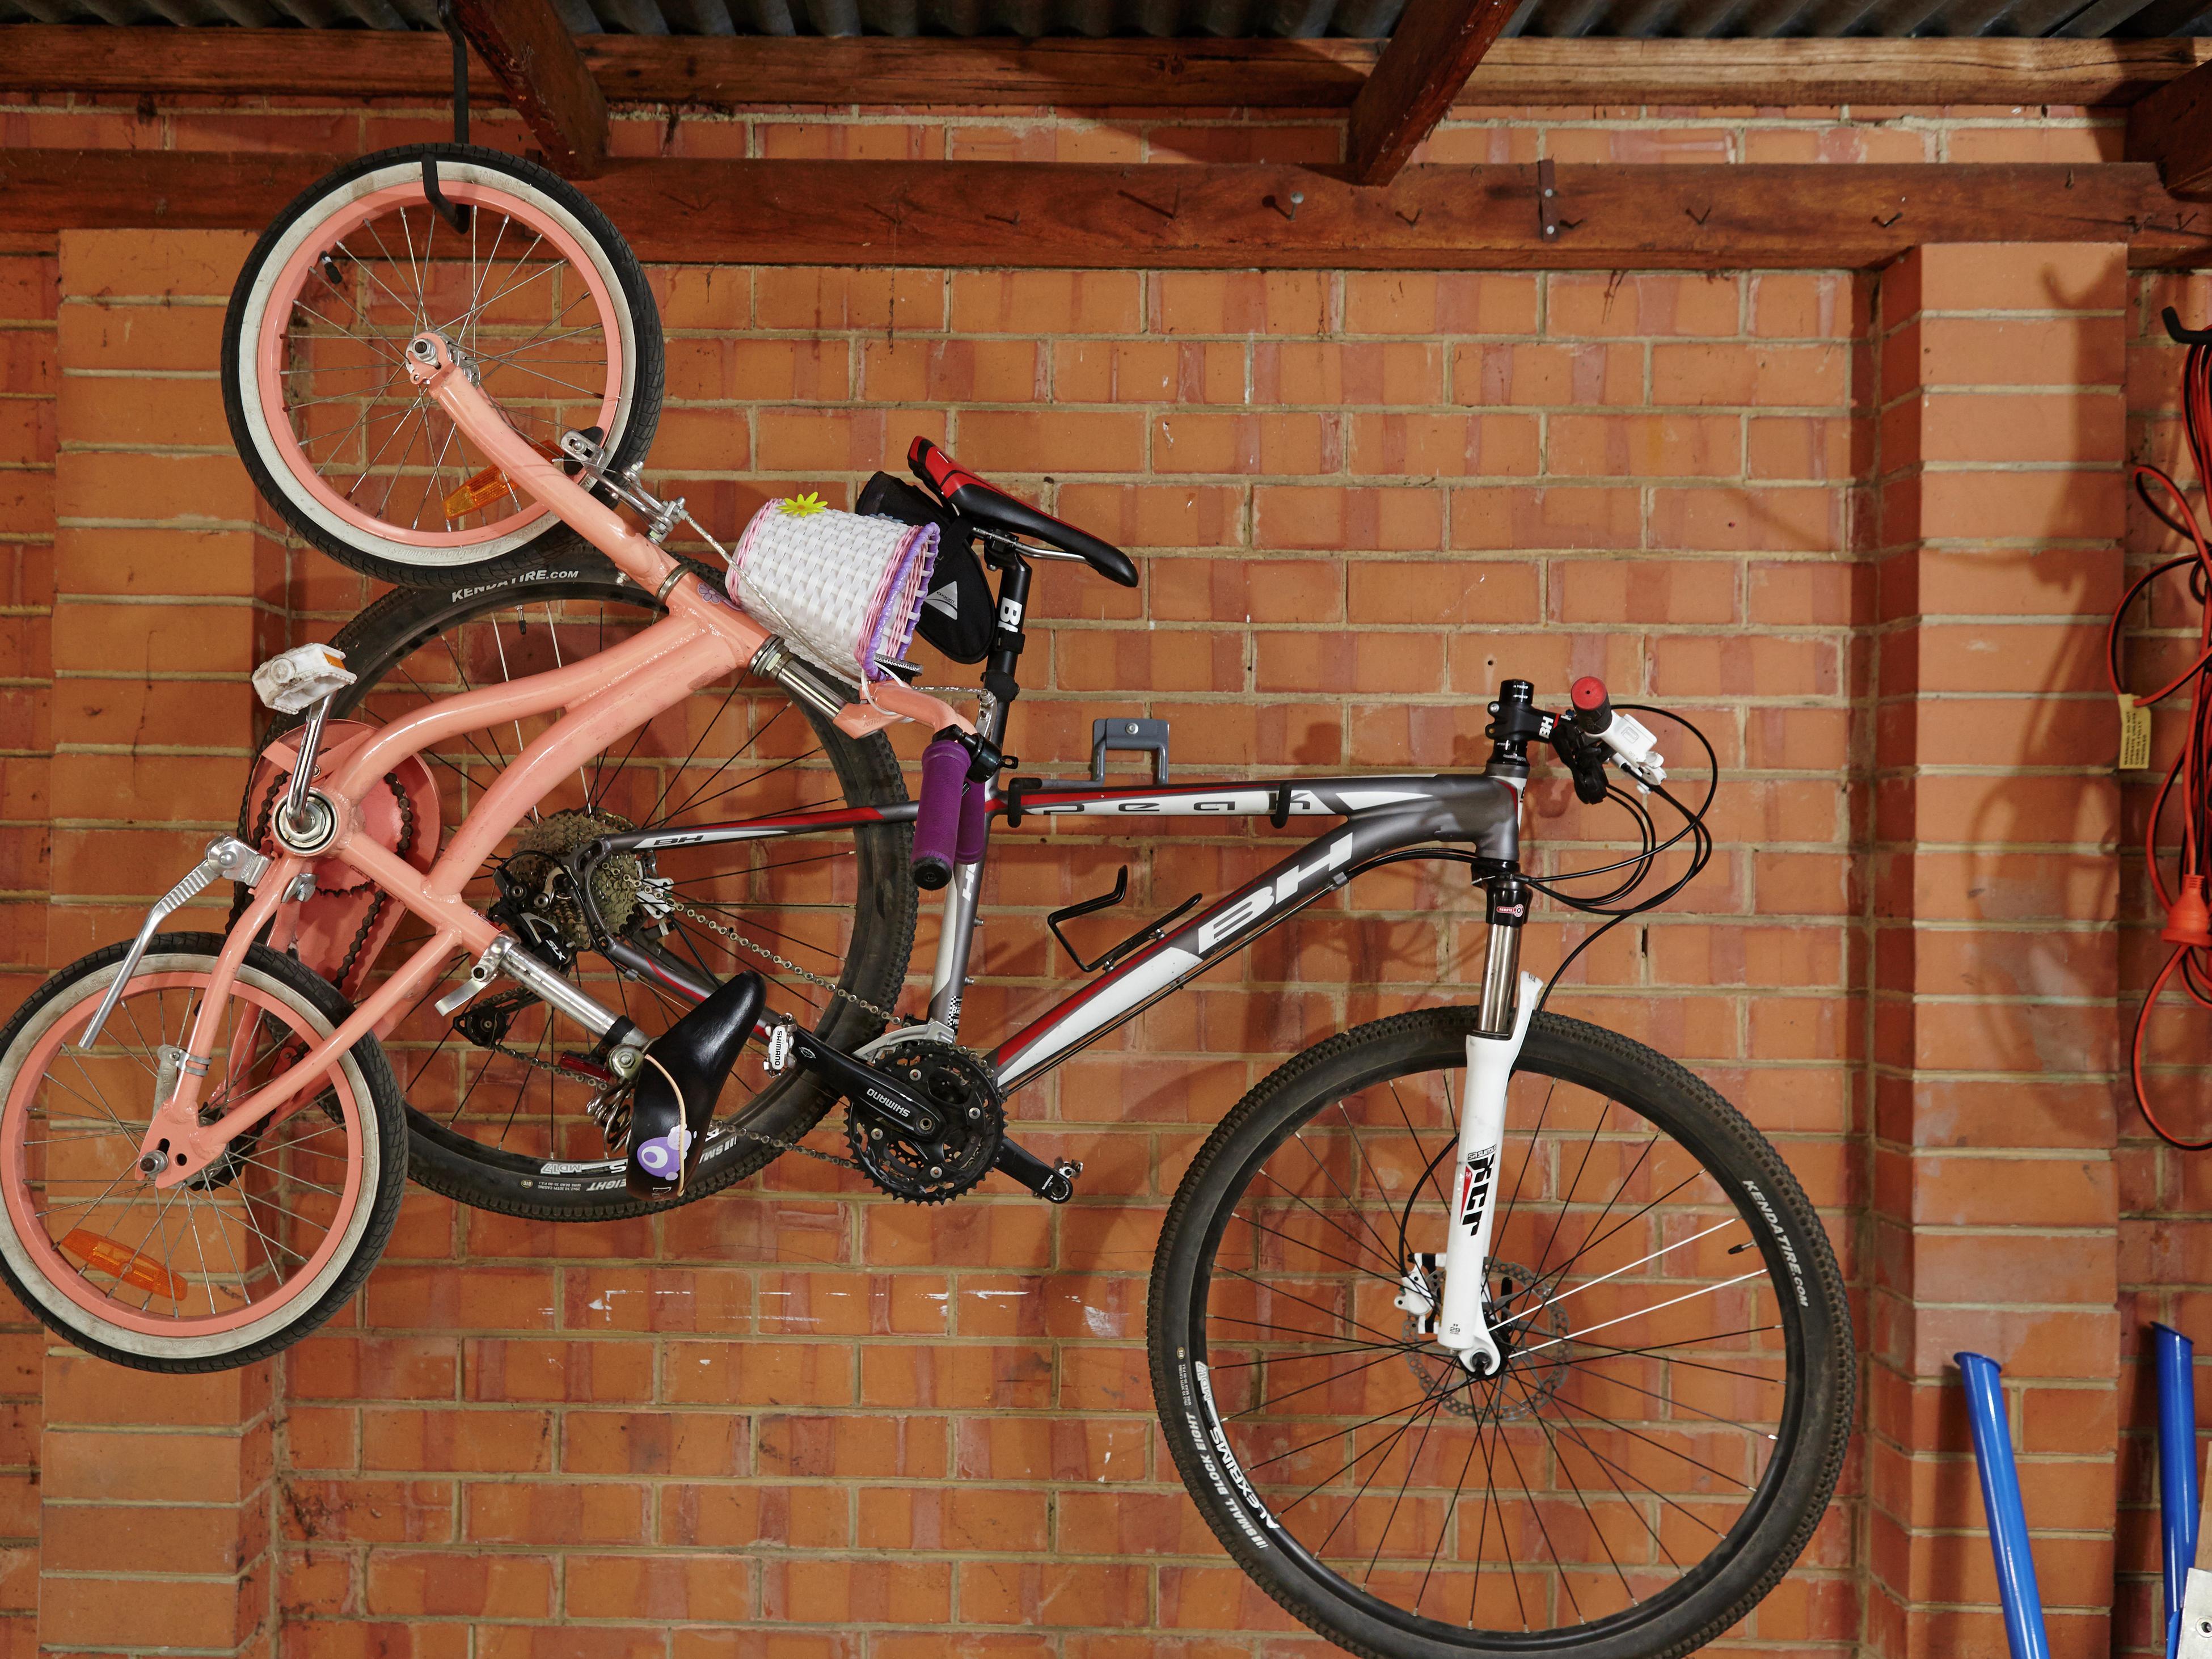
(799, 507)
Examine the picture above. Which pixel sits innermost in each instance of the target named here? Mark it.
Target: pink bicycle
(1474, 1329)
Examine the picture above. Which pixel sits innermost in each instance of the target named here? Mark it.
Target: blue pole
(2023, 1602)
(2172, 1354)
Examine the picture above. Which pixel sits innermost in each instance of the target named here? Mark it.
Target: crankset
(928, 1159)
(940, 1116)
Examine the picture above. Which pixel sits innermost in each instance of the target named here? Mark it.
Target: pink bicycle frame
(703, 638)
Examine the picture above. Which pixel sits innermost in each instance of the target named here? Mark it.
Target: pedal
(1054, 1182)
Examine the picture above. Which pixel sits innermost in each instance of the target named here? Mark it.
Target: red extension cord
(2188, 923)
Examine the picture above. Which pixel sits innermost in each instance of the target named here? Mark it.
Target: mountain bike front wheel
(547, 311)
(1671, 1416)
(260, 1247)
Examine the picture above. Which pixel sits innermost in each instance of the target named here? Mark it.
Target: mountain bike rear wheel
(1671, 1414)
(494, 1120)
(547, 311)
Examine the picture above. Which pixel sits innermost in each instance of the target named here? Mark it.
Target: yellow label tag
(2135, 736)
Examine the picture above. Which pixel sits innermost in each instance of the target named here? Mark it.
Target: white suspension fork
(1463, 1325)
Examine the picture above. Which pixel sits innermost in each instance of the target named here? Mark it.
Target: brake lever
(1584, 759)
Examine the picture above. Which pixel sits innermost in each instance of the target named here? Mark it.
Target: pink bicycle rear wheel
(546, 309)
(249, 1256)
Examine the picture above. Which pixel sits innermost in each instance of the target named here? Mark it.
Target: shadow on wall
(2036, 861)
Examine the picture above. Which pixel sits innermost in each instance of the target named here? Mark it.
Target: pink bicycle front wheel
(260, 1248)
(545, 306)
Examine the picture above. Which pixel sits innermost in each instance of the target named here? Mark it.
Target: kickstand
(452, 213)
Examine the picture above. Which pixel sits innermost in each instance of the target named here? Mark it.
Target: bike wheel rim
(1727, 1542)
(31, 1231)
(283, 300)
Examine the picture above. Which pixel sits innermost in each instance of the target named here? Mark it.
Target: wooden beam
(529, 51)
(727, 71)
(1063, 216)
(1435, 48)
(2172, 130)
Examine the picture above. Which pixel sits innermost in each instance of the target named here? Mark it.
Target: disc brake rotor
(1529, 1328)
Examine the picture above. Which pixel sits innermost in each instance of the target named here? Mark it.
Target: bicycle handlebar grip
(1592, 707)
(974, 821)
(937, 819)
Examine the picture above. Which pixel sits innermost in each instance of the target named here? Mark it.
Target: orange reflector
(127, 1265)
(487, 486)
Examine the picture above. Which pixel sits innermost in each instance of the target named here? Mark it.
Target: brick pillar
(29, 289)
(155, 1490)
(1994, 1213)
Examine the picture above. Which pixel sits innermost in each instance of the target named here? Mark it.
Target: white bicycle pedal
(300, 677)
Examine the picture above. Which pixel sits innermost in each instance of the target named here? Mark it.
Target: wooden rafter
(1212, 217)
(2172, 129)
(729, 71)
(1431, 53)
(529, 51)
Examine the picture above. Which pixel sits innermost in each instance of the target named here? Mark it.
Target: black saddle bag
(957, 615)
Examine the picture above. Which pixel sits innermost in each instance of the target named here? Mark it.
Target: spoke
(1560, 1273)
(1312, 1336)
(1429, 1165)
(1271, 1357)
(1542, 1526)
(1326, 1256)
(1661, 1445)
(1413, 1462)
(1443, 1527)
(1577, 1336)
(1718, 1226)
(1334, 1376)
(1490, 1485)
(1574, 1186)
(1608, 1466)
(1381, 1248)
(1542, 1113)
(1427, 1404)
(1606, 1352)
(85, 1203)
(1335, 1434)
(1597, 1531)
(1682, 1405)
(1343, 1232)
(474, 311)
(1326, 1313)
(1388, 1445)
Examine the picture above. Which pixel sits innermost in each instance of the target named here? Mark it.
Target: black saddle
(984, 503)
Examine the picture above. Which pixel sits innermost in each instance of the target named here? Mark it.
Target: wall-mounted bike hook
(2180, 336)
(453, 213)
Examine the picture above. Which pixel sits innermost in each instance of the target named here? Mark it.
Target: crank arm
(866, 1087)
(1054, 1182)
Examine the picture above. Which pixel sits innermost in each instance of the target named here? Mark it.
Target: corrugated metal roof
(1221, 19)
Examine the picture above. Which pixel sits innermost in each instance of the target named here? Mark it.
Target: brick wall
(1359, 501)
